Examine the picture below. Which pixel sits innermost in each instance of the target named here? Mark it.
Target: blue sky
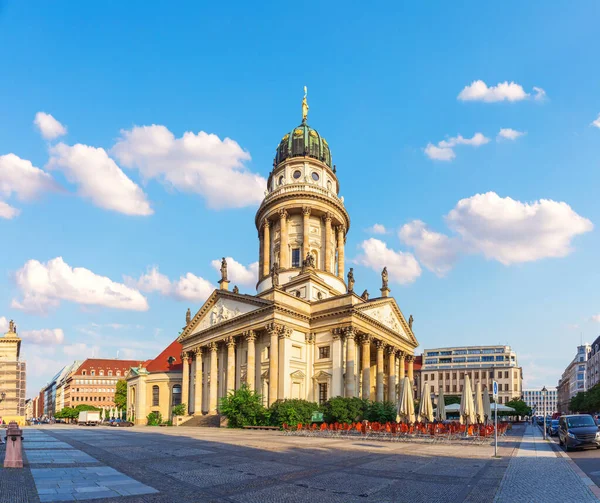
(131, 204)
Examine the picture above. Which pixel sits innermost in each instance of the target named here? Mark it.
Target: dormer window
(110, 372)
(171, 360)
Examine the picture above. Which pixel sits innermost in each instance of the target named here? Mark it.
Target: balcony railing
(303, 187)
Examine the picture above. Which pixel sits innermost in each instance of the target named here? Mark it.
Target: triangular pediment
(298, 374)
(386, 312)
(221, 307)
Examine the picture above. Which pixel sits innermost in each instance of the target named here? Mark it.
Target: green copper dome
(303, 141)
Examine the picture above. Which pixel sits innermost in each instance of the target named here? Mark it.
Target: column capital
(340, 228)
(337, 333)
(365, 339)
(390, 350)
(283, 214)
(306, 210)
(379, 344)
(310, 338)
(327, 217)
(350, 333)
(409, 358)
(197, 351)
(249, 335)
(266, 223)
(400, 354)
(230, 341)
(185, 356)
(213, 347)
(285, 332)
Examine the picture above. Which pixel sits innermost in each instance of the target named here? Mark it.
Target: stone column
(391, 351)
(380, 345)
(261, 254)
(401, 357)
(350, 358)
(310, 365)
(266, 261)
(410, 360)
(366, 366)
(250, 336)
(305, 231)
(283, 376)
(284, 261)
(214, 376)
(185, 381)
(327, 219)
(230, 364)
(340, 247)
(337, 384)
(198, 383)
(272, 330)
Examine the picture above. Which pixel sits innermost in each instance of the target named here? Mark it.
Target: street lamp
(544, 391)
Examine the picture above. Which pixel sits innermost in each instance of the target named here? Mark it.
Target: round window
(297, 174)
(315, 176)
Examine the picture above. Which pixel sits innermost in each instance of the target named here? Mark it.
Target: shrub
(179, 410)
(381, 412)
(292, 411)
(154, 418)
(243, 407)
(344, 410)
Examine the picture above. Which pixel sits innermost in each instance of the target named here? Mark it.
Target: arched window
(110, 372)
(118, 372)
(176, 395)
(102, 372)
(155, 396)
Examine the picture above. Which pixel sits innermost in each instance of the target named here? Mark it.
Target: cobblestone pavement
(220, 465)
(538, 473)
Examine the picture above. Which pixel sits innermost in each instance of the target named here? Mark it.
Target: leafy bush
(292, 411)
(380, 412)
(154, 418)
(244, 407)
(344, 410)
(179, 410)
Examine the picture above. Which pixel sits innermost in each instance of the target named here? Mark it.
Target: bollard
(14, 446)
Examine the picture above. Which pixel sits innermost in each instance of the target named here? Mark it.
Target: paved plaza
(170, 465)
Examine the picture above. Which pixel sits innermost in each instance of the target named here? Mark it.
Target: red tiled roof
(418, 363)
(161, 362)
(106, 365)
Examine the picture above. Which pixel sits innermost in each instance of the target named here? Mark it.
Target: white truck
(89, 418)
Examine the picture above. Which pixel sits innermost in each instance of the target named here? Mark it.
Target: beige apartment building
(447, 368)
(12, 377)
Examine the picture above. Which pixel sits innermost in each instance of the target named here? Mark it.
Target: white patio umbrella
(467, 407)
(426, 407)
(440, 413)
(487, 409)
(479, 411)
(406, 405)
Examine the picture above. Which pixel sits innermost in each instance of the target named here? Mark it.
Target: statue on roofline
(410, 321)
(188, 316)
(365, 295)
(304, 106)
(384, 278)
(224, 269)
(351, 280)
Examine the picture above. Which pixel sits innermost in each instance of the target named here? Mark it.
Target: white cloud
(509, 134)
(540, 94)
(402, 267)
(199, 163)
(99, 178)
(444, 149)
(3, 325)
(510, 231)
(188, 287)
(44, 285)
(435, 251)
(7, 211)
(45, 336)
(238, 273)
(504, 91)
(596, 318)
(81, 351)
(49, 127)
(596, 123)
(377, 229)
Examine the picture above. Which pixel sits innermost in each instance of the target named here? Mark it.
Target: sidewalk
(539, 473)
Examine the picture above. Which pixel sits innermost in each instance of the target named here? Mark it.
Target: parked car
(122, 424)
(552, 428)
(578, 431)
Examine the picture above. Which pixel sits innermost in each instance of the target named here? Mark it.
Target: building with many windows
(592, 366)
(534, 398)
(573, 379)
(447, 368)
(12, 377)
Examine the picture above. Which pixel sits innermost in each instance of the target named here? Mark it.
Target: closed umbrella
(440, 414)
(426, 407)
(487, 409)
(467, 407)
(406, 405)
(479, 412)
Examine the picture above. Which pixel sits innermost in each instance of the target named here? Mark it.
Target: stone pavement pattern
(537, 473)
(216, 465)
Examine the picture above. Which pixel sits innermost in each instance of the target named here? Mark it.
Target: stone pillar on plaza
(402, 358)
(185, 381)
(266, 261)
(380, 345)
(250, 336)
(410, 360)
(284, 261)
(350, 379)
(366, 367)
(305, 231)
(327, 219)
(391, 352)
(214, 377)
(340, 247)
(337, 380)
(198, 383)
(230, 364)
(272, 330)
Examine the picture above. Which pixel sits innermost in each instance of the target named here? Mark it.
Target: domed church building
(305, 333)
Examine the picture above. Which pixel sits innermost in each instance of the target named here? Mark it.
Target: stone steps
(206, 421)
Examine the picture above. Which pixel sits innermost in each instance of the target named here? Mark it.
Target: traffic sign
(495, 390)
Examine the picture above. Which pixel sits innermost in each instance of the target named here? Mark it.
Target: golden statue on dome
(304, 106)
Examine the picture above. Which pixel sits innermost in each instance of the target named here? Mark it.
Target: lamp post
(544, 391)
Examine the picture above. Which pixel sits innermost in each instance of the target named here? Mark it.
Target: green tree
(154, 419)
(121, 394)
(521, 408)
(244, 407)
(451, 399)
(578, 402)
(179, 410)
(344, 410)
(381, 412)
(292, 411)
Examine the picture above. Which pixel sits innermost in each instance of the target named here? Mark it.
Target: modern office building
(534, 398)
(447, 367)
(573, 379)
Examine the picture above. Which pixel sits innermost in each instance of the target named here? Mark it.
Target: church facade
(305, 333)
